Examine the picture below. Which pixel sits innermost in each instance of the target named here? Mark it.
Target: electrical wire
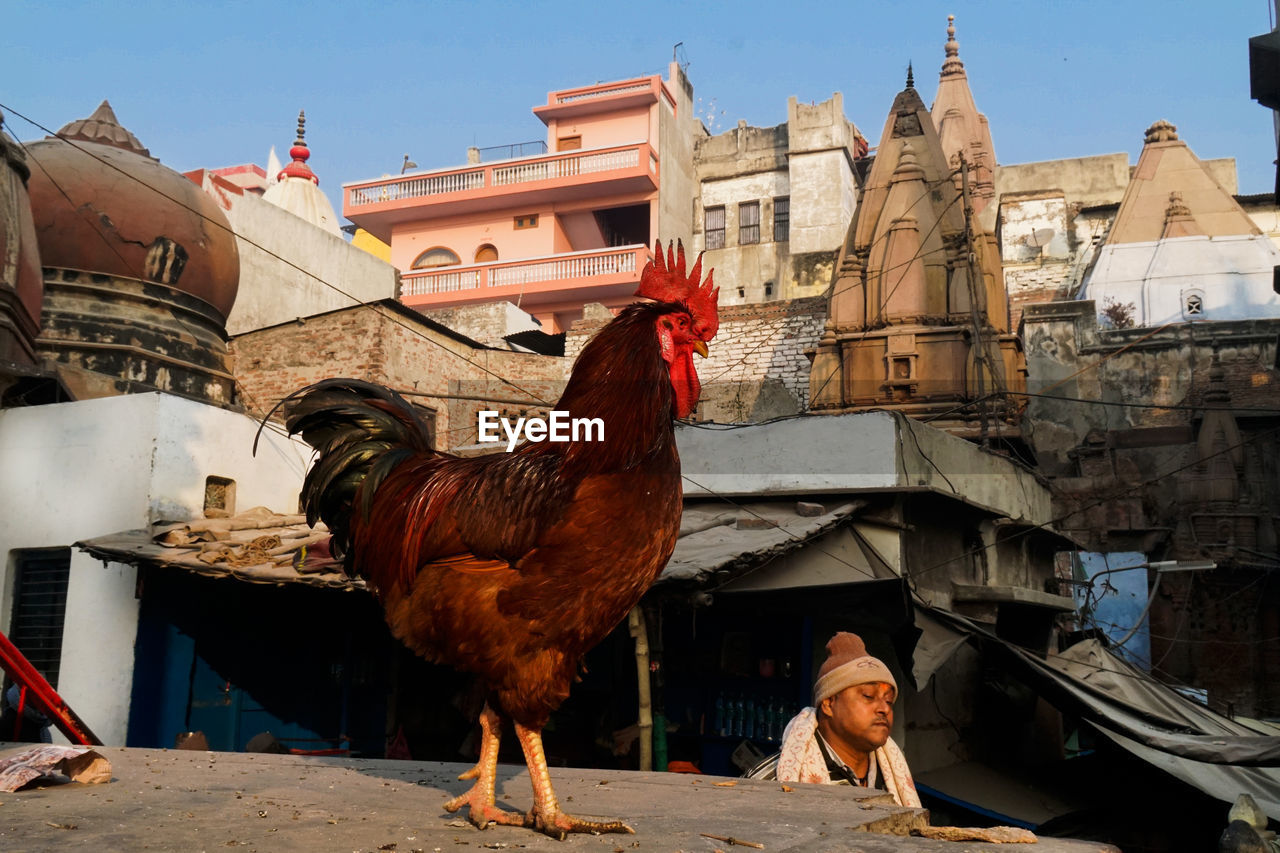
(356, 301)
(535, 399)
(1123, 492)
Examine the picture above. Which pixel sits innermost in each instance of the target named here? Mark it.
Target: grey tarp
(937, 643)
(720, 541)
(1221, 757)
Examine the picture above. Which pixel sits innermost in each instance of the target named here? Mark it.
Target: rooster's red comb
(664, 280)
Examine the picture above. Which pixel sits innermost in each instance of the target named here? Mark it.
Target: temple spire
(962, 129)
(911, 80)
(297, 188)
(952, 64)
(300, 153)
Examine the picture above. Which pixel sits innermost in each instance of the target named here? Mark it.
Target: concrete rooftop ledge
(176, 800)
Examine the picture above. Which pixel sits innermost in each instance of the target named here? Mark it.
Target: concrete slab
(175, 800)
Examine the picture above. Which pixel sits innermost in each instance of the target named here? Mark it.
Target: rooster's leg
(546, 815)
(479, 800)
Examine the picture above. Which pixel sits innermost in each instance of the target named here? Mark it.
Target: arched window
(437, 257)
(486, 254)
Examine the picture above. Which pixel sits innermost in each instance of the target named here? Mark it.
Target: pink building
(572, 224)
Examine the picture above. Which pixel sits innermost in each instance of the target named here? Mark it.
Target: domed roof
(297, 189)
(101, 205)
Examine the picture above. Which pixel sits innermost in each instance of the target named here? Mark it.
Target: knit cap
(848, 664)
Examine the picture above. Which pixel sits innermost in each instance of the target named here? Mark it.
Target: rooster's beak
(700, 347)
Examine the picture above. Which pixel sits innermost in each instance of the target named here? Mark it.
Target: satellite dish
(1040, 237)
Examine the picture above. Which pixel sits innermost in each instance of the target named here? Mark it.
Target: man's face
(862, 715)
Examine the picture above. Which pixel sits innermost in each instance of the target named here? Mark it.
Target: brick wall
(384, 344)
(1031, 284)
(757, 368)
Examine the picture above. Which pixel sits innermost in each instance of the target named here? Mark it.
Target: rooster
(513, 565)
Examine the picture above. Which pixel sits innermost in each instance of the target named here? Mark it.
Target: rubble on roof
(258, 546)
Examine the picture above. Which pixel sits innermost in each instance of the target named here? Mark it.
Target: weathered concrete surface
(190, 801)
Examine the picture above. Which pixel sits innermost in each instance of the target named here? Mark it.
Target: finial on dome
(908, 167)
(952, 64)
(300, 153)
(1217, 392)
(1161, 131)
(105, 129)
(1177, 207)
(911, 80)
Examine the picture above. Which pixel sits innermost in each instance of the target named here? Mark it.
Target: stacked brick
(384, 343)
(757, 368)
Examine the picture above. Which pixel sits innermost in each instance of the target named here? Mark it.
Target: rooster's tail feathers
(361, 432)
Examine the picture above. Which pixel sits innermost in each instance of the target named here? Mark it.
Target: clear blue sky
(217, 84)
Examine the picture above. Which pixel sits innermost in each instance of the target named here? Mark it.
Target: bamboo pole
(637, 629)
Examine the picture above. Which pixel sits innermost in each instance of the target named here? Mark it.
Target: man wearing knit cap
(844, 737)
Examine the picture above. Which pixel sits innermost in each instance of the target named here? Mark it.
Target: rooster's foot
(481, 810)
(558, 825)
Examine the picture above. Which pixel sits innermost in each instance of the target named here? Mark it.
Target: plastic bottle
(738, 713)
(718, 728)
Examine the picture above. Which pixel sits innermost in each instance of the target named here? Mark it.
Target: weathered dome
(21, 285)
(102, 206)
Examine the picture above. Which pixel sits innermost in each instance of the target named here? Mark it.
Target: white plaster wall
(194, 442)
(1100, 179)
(73, 471)
(747, 267)
(672, 215)
(826, 453)
(823, 198)
(1233, 275)
(96, 669)
(981, 478)
(276, 291)
(733, 191)
(844, 453)
(1034, 229)
(1268, 222)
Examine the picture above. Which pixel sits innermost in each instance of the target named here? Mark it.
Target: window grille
(39, 605)
(437, 257)
(713, 227)
(782, 219)
(748, 223)
(1193, 305)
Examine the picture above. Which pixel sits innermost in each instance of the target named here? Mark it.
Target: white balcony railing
(420, 284)
(602, 92)
(568, 268)
(512, 173)
(582, 266)
(418, 187)
(566, 167)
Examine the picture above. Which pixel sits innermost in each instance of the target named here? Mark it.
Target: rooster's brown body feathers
(512, 565)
